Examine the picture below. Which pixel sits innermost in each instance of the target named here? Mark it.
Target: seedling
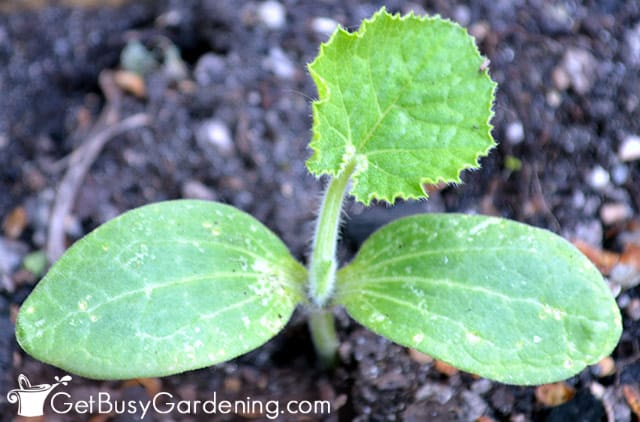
(403, 102)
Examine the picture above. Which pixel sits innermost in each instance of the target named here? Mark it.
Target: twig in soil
(539, 194)
(106, 128)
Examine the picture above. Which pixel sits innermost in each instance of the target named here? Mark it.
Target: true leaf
(405, 100)
(162, 289)
(491, 296)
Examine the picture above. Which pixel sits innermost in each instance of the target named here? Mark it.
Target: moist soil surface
(229, 120)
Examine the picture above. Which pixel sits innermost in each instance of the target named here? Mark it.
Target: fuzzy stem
(322, 268)
(323, 335)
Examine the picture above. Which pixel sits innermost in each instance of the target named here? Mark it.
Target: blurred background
(109, 105)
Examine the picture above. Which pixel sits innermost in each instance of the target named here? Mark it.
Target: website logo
(31, 398)
(31, 401)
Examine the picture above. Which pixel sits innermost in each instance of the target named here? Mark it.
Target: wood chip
(485, 419)
(420, 357)
(431, 189)
(232, 385)
(130, 82)
(632, 396)
(602, 259)
(445, 368)
(604, 368)
(14, 223)
(631, 255)
(554, 394)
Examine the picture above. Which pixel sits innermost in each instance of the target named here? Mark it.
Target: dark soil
(234, 127)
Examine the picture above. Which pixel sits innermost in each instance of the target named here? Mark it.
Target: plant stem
(323, 336)
(322, 268)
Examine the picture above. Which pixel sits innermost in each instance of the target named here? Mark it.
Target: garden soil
(223, 113)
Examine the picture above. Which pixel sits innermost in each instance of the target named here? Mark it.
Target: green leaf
(162, 289)
(491, 296)
(406, 100)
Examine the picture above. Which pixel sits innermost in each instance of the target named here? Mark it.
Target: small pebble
(632, 43)
(614, 212)
(480, 30)
(580, 66)
(560, 79)
(440, 393)
(554, 99)
(462, 15)
(193, 189)
(171, 18)
(323, 26)
(254, 98)
(633, 309)
(515, 132)
(598, 178)
(624, 276)
(215, 132)
(11, 254)
(507, 54)
(134, 158)
(272, 14)
(597, 390)
(475, 407)
(630, 148)
(210, 68)
(623, 300)
(503, 399)
(589, 231)
(481, 386)
(286, 189)
(73, 226)
(619, 174)
(556, 17)
(391, 381)
(7, 283)
(280, 64)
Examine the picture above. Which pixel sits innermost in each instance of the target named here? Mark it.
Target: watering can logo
(31, 398)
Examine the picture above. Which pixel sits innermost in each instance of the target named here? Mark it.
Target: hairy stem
(322, 268)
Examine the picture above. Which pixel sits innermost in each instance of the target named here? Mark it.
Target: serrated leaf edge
(361, 162)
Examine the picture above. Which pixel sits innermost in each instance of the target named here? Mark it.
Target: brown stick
(106, 128)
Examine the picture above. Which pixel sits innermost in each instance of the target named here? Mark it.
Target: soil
(230, 121)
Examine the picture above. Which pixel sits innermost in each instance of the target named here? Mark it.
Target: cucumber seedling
(402, 102)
